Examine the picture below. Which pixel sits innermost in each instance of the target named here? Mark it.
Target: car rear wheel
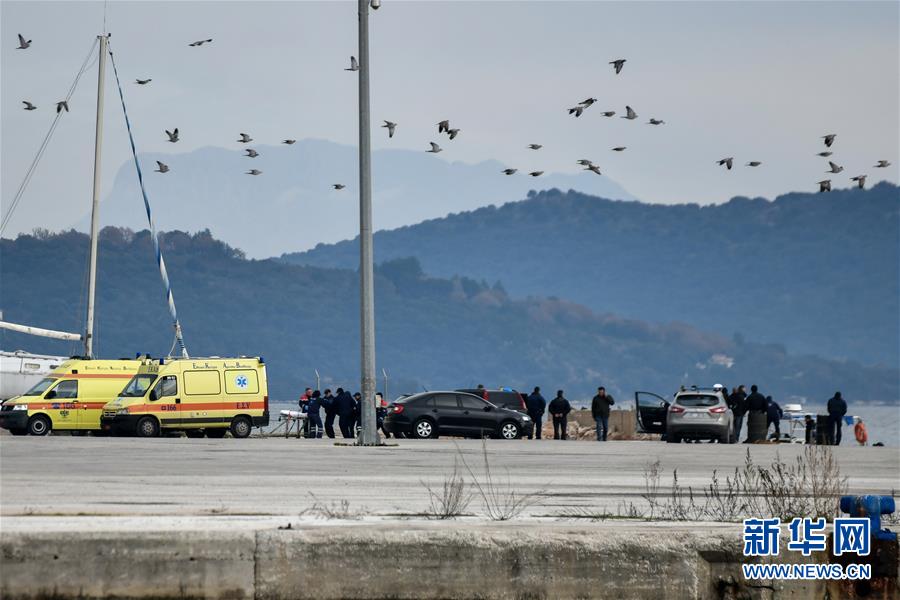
(241, 427)
(216, 434)
(39, 425)
(147, 427)
(510, 431)
(424, 429)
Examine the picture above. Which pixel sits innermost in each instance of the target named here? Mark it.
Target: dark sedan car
(431, 414)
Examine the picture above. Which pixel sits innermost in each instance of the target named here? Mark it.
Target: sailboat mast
(95, 207)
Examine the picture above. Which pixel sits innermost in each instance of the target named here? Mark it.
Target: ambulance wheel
(241, 427)
(217, 433)
(39, 425)
(193, 433)
(147, 427)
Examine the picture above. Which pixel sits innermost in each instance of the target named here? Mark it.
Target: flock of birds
(443, 127)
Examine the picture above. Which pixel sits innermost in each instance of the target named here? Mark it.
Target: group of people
(757, 406)
(341, 405)
(559, 409)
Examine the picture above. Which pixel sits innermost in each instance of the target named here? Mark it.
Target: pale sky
(754, 80)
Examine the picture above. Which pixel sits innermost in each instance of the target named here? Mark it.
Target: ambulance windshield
(40, 388)
(138, 386)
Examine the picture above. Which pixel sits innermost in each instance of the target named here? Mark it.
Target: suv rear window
(697, 400)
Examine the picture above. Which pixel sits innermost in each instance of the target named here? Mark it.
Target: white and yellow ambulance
(70, 398)
(200, 396)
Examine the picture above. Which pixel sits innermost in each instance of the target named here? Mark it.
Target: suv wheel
(39, 425)
(510, 431)
(424, 429)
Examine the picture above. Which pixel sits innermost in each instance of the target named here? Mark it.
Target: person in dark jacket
(756, 411)
(314, 420)
(837, 408)
(380, 413)
(357, 413)
(345, 408)
(559, 409)
(737, 402)
(773, 416)
(600, 411)
(536, 405)
(330, 412)
(304, 403)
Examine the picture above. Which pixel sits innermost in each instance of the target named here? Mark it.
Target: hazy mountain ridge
(292, 204)
(430, 332)
(817, 272)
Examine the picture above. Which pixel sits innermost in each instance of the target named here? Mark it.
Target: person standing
(837, 408)
(304, 408)
(357, 414)
(738, 405)
(756, 415)
(381, 413)
(344, 408)
(536, 406)
(773, 416)
(600, 411)
(328, 402)
(559, 409)
(313, 419)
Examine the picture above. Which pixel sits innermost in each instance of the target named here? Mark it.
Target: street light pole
(369, 434)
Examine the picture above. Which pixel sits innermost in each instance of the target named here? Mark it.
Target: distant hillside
(292, 205)
(431, 332)
(817, 272)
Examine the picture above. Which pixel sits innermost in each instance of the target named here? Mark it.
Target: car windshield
(697, 400)
(138, 386)
(40, 388)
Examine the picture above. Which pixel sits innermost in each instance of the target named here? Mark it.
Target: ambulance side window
(65, 389)
(167, 386)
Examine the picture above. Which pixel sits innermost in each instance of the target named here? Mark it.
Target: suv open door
(651, 410)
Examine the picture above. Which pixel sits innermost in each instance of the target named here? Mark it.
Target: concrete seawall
(389, 560)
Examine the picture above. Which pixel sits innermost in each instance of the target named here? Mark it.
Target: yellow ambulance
(200, 396)
(70, 398)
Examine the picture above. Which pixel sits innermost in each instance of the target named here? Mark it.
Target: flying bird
(834, 168)
(28, 105)
(509, 171)
(390, 127)
(882, 164)
(860, 180)
(588, 102)
(535, 146)
(825, 185)
(577, 110)
(536, 173)
(618, 64)
(443, 126)
(162, 167)
(754, 163)
(338, 186)
(630, 114)
(354, 66)
(434, 148)
(142, 81)
(288, 142)
(653, 121)
(254, 172)
(619, 148)
(584, 162)
(251, 153)
(829, 139)
(825, 154)
(593, 168)
(453, 133)
(62, 105)
(200, 42)
(245, 138)
(23, 44)
(173, 135)
(727, 162)
(608, 113)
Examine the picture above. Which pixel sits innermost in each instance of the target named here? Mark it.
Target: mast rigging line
(37, 157)
(170, 298)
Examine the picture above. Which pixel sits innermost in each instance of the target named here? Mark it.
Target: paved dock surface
(249, 481)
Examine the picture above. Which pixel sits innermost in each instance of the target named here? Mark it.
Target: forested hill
(817, 272)
(430, 332)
